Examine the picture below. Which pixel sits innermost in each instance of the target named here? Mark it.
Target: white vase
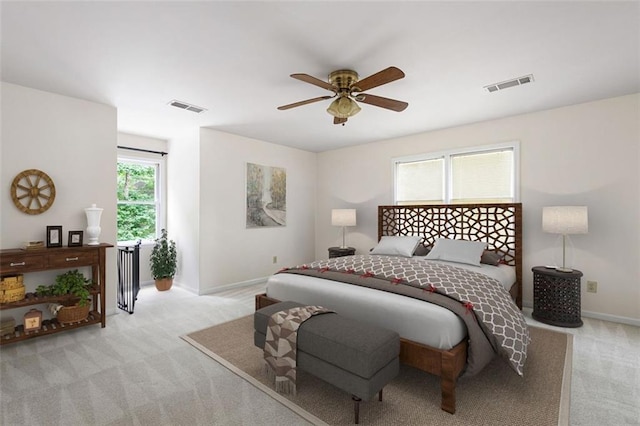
(93, 224)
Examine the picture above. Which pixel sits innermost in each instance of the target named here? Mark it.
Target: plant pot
(164, 284)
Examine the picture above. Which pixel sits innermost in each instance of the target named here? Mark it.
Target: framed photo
(75, 239)
(54, 236)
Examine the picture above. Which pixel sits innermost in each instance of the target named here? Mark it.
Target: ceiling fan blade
(378, 79)
(308, 101)
(315, 81)
(337, 120)
(381, 102)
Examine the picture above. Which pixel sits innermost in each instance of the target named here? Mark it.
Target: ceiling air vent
(509, 83)
(186, 106)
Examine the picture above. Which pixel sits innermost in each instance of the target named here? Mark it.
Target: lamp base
(561, 269)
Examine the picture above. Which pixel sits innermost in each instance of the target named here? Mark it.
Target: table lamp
(565, 220)
(344, 218)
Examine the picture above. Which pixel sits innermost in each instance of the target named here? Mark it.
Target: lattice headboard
(498, 225)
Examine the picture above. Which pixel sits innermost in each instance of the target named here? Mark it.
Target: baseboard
(612, 318)
(175, 284)
(597, 315)
(241, 284)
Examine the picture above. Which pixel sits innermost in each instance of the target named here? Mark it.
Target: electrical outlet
(275, 259)
(592, 286)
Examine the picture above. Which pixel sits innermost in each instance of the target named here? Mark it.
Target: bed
(445, 354)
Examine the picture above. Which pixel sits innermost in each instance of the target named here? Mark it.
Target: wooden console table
(18, 261)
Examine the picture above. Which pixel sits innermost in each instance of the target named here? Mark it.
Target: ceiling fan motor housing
(343, 79)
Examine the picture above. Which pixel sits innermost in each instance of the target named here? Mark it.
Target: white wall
(183, 207)
(229, 252)
(585, 154)
(74, 142)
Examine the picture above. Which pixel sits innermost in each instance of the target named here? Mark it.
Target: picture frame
(75, 239)
(54, 236)
(266, 196)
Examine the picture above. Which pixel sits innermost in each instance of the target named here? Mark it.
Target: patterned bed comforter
(494, 322)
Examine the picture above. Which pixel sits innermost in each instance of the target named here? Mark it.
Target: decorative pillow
(397, 245)
(421, 250)
(461, 251)
(491, 258)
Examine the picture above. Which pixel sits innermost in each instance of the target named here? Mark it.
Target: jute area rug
(496, 396)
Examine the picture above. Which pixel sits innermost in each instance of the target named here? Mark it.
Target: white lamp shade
(565, 220)
(343, 217)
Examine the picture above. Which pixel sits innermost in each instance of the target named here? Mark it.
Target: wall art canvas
(266, 196)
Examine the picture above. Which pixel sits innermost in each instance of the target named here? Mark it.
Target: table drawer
(72, 259)
(10, 264)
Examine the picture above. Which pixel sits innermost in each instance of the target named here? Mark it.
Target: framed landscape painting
(266, 196)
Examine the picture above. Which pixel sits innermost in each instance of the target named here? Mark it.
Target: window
(485, 174)
(140, 208)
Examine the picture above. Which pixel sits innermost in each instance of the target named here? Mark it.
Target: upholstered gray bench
(353, 356)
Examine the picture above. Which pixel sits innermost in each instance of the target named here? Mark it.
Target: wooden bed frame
(498, 225)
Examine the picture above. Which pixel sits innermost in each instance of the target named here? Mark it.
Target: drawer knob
(69, 259)
(18, 263)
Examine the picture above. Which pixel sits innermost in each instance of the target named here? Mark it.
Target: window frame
(446, 155)
(145, 158)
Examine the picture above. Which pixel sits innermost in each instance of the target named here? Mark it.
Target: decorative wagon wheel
(33, 191)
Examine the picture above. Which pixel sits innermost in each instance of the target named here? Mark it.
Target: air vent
(186, 106)
(509, 83)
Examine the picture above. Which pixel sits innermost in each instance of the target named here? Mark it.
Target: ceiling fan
(348, 89)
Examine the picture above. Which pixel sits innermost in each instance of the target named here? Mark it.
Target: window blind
(420, 182)
(485, 177)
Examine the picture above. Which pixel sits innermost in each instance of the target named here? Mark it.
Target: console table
(18, 261)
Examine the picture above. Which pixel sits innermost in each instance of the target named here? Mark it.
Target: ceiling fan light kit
(345, 84)
(343, 107)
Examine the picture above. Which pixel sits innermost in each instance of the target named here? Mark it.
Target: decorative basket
(11, 282)
(75, 313)
(12, 295)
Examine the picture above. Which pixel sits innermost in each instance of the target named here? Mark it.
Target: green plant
(163, 258)
(71, 282)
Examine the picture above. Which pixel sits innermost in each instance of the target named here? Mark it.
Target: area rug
(496, 396)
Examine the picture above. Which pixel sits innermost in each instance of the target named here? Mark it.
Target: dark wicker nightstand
(340, 251)
(556, 297)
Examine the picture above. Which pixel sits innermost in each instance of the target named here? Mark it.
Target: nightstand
(341, 251)
(556, 297)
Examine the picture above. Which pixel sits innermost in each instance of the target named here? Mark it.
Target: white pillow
(397, 245)
(461, 251)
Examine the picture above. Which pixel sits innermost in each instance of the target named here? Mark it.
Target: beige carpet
(497, 396)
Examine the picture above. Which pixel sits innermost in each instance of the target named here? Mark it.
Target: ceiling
(234, 59)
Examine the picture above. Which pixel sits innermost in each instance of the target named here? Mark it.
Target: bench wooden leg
(356, 408)
(356, 405)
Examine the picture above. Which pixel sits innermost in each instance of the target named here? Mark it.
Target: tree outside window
(137, 200)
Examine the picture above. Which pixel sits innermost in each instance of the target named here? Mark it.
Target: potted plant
(163, 261)
(71, 283)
